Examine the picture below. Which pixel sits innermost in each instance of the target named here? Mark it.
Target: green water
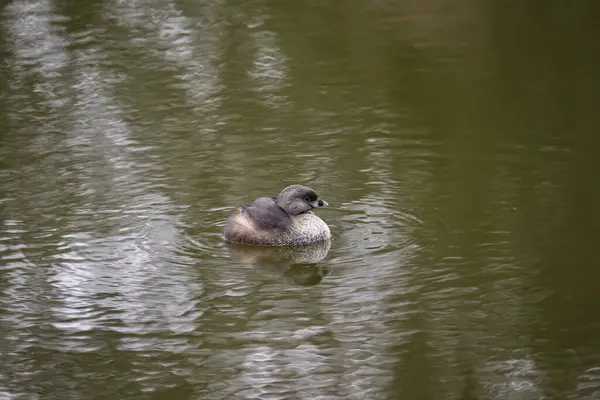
(455, 142)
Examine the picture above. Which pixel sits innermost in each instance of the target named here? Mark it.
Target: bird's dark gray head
(298, 199)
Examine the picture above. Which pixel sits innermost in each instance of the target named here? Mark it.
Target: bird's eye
(307, 199)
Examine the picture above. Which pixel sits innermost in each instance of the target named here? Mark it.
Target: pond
(456, 144)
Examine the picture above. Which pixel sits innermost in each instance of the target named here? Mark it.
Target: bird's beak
(319, 203)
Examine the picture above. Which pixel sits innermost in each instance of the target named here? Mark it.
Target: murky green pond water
(455, 142)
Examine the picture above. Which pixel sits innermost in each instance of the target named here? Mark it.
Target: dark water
(456, 144)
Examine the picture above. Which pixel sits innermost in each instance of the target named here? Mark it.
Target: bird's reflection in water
(297, 265)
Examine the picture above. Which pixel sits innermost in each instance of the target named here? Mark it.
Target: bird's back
(260, 222)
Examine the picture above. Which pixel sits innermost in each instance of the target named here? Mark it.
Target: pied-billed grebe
(285, 220)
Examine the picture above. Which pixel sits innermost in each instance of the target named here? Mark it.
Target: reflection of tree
(5, 55)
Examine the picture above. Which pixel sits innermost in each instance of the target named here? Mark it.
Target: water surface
(456, 144)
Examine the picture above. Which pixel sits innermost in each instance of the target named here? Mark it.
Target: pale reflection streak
(38, 59)
(509, 376)
(128, 262)
(35, 71)
(360, 313)
(38, 47)
(589, 383)
(185, 53)
(102, 276)
(269, 70)
(175, 39)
